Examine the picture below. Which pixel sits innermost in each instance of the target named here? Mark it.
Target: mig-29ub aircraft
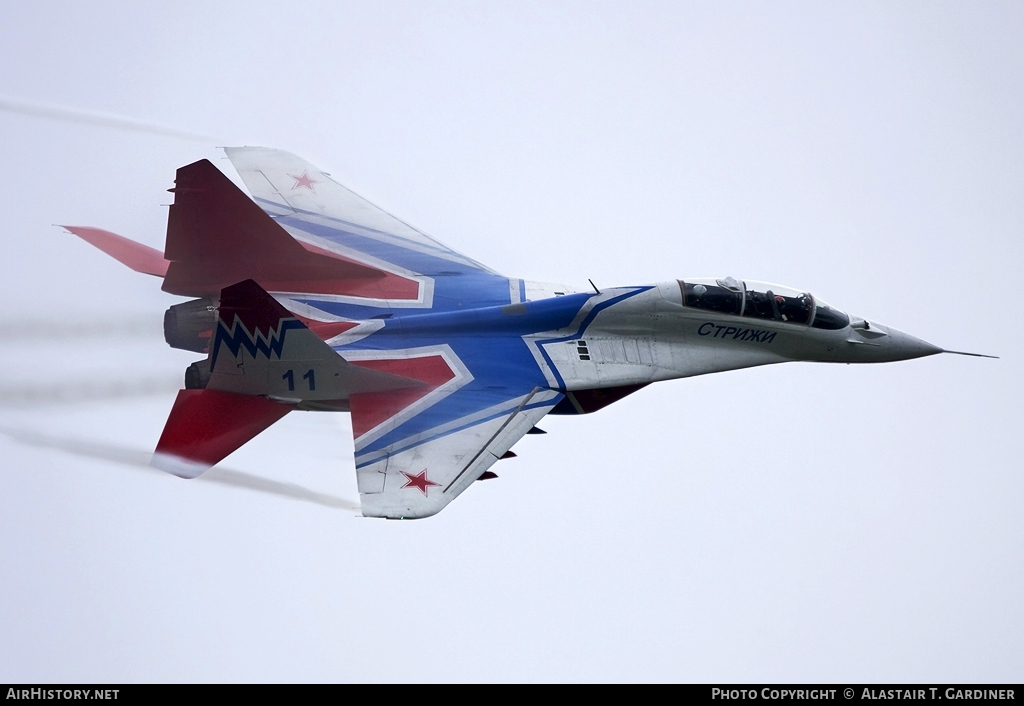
(442, 362)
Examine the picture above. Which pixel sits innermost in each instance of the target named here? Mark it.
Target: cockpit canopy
(761, 300)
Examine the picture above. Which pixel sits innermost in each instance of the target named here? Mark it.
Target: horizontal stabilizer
(137, 256)
(216, 236)
(205, 426)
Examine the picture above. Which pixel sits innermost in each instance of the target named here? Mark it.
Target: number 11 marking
(289, 375)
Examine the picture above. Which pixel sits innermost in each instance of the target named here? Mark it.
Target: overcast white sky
(792, 523)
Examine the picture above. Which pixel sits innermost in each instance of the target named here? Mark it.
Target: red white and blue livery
(307, 297)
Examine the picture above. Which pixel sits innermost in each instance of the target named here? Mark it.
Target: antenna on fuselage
(594, 286)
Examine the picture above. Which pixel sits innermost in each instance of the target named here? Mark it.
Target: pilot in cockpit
(794, 309)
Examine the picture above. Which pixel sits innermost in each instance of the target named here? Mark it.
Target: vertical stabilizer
(263, 363)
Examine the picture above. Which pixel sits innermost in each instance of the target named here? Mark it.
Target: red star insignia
(419, 481)
(305, 181)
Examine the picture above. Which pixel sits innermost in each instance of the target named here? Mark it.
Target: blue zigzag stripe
(240, 338)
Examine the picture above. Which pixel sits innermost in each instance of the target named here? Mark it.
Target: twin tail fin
(263, 363)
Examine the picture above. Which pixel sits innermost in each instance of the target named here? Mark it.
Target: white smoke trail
(107, 120)
(84, 391)
(140, 459)
(136, 326)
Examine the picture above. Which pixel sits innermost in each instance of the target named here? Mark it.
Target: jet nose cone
(877, 343)
(903, 346)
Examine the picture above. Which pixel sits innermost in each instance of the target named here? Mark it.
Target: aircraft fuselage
(653, 336)
(627, 337)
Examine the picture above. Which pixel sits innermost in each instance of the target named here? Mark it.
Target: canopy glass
(761, 300)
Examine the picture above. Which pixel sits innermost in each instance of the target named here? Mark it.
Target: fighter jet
(308, 297)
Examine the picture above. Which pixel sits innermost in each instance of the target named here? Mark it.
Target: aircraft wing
(418, 476)
(303, 197)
